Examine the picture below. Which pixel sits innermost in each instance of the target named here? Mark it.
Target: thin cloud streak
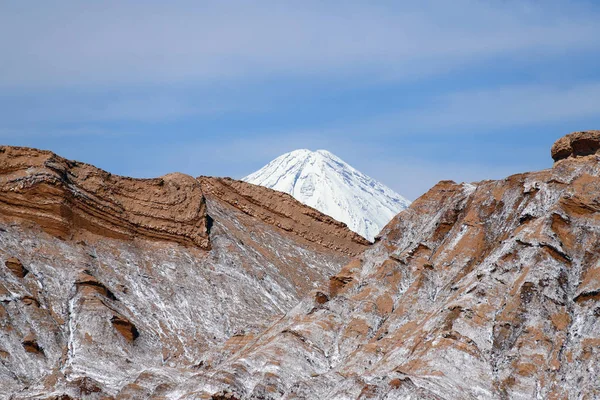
(82, 44)
(147, 88)
(477, 111)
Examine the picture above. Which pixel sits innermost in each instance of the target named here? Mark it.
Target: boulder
(576, 144)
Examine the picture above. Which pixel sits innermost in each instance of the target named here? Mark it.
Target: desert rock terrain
(210, 288)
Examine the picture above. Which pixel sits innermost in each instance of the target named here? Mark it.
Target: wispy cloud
(89, 43)
(484, 109)
(115, 105)
(149, 87)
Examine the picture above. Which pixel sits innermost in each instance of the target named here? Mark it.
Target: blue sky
(407, 92)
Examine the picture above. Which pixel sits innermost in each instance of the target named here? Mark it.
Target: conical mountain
(323, 181)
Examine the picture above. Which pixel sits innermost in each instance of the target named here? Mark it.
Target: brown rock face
(125, 328)
(16, 267)
(136, 285)
(89, 284)
(477, 291)
(65, 196)
(31, 345)
(576, 144)
(282, 210)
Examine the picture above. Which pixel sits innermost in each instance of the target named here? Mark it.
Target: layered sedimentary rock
(281, 209)
(477, 291)
(64, 197)
(120, 287)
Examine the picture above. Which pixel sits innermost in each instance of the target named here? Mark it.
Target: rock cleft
(16, 267)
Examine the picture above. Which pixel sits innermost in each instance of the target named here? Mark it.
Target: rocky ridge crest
(483, 290)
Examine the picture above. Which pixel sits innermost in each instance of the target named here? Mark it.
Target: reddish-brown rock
(31, 345)
(285, 212)
(576, 144)
(125, 328)
(321, 298)
(487, 290)
(484, 290)
(64, 197)
(16, 267)
(88, 284)
(135, 285)
(30, 301)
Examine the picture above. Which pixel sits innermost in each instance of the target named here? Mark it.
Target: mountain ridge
(476, 291)
(104, 279)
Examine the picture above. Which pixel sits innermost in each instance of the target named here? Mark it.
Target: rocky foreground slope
(477, 291)
(106, 280)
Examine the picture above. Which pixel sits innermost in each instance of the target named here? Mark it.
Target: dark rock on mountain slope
(64, 196)
(106, 281)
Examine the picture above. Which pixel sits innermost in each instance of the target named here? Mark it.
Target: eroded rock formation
(576, 144)
(487, 290)
(478, 291)
(16, 267)
(281, 209)
(64, 197)
(110, 284)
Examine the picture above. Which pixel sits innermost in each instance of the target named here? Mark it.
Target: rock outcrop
(65, 197)
(16, 267)
(576, 144)
(31, 345)
(477, 291)
(120, 287)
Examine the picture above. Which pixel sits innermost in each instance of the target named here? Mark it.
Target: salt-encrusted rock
(136, 284)
(485, 290)
(477, 291)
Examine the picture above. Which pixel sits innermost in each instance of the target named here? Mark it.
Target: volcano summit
(323, 181)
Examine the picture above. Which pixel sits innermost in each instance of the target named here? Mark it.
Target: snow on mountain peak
(325, 182)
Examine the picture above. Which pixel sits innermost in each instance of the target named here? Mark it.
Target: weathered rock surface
(119, 287)
(64, 197)
(482, 291)
(576, 144)
(16, 267)
(477, 291)
(281, 209)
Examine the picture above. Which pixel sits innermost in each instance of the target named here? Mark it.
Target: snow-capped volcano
(325, 182)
